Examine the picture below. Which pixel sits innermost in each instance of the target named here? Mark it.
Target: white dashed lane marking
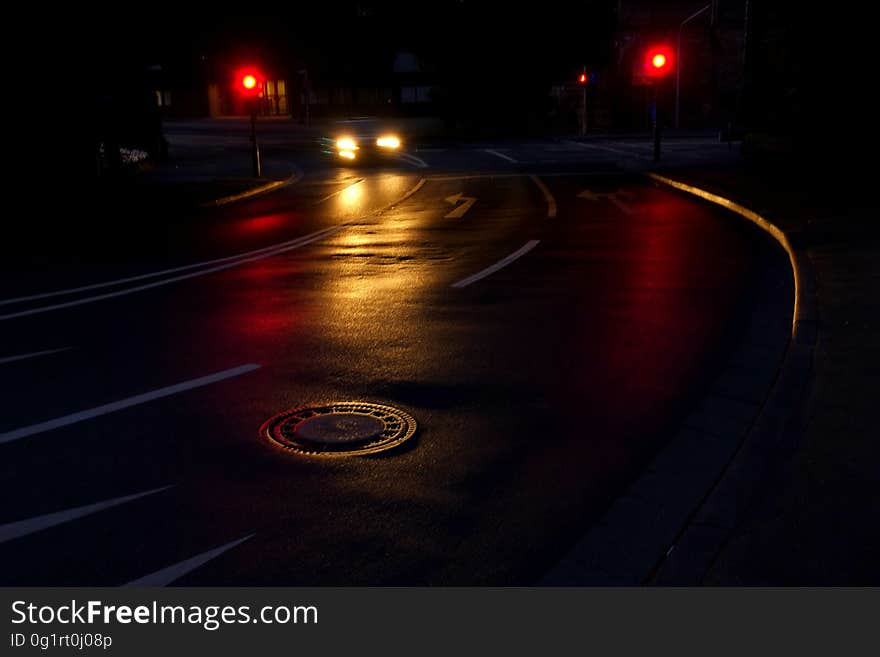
(82, 416)
(488, 271)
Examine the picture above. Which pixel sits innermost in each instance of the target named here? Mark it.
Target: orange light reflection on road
(351, 196)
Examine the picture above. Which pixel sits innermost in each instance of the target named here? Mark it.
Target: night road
(547, 318)
(368, 327)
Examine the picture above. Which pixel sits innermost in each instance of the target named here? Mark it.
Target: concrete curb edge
(775, 435)
(294, 177)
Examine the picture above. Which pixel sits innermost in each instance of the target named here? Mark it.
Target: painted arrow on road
(612, 197)
(465, 201)
(594, 196)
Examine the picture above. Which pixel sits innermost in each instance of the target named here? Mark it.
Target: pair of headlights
(347, 145)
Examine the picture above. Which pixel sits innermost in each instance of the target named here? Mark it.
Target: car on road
(361, 140)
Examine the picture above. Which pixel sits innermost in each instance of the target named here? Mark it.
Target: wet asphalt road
(541, 390)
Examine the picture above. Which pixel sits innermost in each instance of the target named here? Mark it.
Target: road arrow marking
(466, 203)
(610, 197)
(590, 196)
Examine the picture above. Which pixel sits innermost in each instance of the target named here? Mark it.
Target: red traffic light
(249, 82)
(659, 61)
(582, 78)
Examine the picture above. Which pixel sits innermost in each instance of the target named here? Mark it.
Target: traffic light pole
(656, 126)
(255, 147)
(584, 106)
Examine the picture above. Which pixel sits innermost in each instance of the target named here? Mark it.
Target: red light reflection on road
(257, 225)
(669, 278)
(256, 305)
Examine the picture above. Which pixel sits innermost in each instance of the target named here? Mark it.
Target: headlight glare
(346, 144)
(388, 141)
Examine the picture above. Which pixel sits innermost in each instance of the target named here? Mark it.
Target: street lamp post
(678, 56)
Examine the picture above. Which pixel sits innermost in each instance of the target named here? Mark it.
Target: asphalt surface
(541, 389)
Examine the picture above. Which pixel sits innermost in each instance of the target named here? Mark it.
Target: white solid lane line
(154, 274)
(611, 150)
(548, 196)
(302, 241)
(403, 198)
(81, 416)
(531, 244)
(171, 573)
(497, 154)
(35, 354)
(340, 191)
(234, 261)
(331, 181)
(29, 526)
(237, 259)
(412, 159)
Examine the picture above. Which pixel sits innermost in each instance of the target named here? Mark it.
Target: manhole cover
(340, 429)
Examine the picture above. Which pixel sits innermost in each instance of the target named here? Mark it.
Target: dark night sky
(501, 39)
(813, 65)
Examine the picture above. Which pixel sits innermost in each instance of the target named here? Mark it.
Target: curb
(774, 437)
(804, 299)
(294, 177)
(671, 523)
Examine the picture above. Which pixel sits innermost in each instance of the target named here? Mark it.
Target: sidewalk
(204, 176)
(811, 514)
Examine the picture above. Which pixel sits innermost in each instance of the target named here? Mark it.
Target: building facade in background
(297, 88)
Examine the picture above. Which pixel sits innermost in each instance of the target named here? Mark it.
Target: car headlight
(388, 141)
(346, 144)
(348, 155)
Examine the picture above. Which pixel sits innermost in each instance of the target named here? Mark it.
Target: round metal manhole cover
(340, 429)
